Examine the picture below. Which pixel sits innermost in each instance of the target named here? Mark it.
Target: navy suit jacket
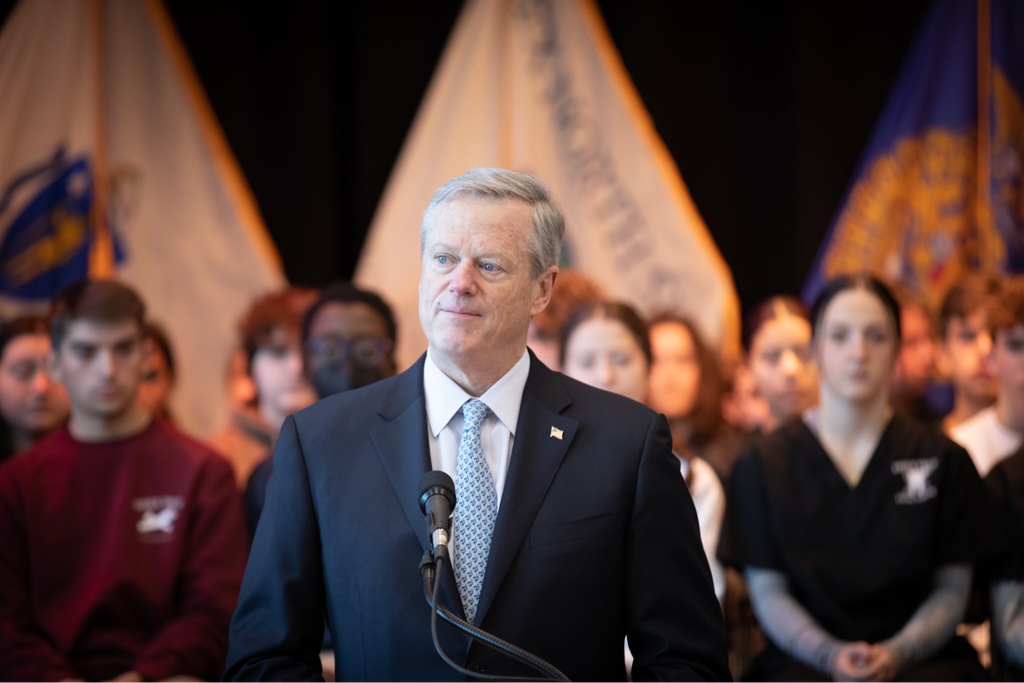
(596, 539)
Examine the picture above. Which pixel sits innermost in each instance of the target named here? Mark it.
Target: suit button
(474, 667)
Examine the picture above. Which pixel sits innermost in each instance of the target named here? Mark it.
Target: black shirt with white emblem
(860, 559)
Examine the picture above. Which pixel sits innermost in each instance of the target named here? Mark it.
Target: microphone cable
(431, 571)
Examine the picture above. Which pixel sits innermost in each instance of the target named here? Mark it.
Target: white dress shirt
(987, 439)
(444, 399)
(709, 500)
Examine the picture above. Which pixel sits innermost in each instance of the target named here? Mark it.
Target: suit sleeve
(25, 652)
(278, 627)
(196, 641)
(675, 626)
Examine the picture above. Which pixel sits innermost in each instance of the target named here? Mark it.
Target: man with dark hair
(122, 544)
(965, 342)
(31, 404)
(349, 336)
(996, 432)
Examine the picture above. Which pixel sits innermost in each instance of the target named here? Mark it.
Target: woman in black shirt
(856, 530)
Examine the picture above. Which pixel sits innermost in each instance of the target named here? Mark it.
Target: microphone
(437, 500)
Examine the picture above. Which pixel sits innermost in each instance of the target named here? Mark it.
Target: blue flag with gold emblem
(48, 237)
(939, 191)
(112, 164)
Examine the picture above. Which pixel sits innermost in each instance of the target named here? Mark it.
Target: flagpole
(989, 250)
(101, 254)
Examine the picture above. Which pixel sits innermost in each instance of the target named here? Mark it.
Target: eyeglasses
(365, 352)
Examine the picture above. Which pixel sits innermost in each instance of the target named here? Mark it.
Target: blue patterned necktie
(475, 509)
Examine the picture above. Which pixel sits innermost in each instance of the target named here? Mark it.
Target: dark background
(765, 107)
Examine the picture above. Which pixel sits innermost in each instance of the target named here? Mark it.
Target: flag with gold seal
(939, 192)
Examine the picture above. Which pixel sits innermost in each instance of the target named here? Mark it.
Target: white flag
(537, 85)
(106, 138)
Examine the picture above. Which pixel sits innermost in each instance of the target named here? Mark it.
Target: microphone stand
(430, 569)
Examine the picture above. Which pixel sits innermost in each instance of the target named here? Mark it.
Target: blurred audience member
(158, 373)
(915, 365)
(686, 387)
(606, 345)
(857, 530)
(270, 337)
(743, 407)
(778, 342)
(349, 336)
(997, 431)
(572, 290)
(31, 404)
(122, 543)
(965, 344)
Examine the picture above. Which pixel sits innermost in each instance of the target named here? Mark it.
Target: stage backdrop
(537, 85)
(940, 188)
(111, 163)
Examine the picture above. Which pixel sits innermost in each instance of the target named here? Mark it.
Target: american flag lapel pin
(556, 433)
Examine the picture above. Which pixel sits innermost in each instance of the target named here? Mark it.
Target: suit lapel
(536, 455)
(404, 452)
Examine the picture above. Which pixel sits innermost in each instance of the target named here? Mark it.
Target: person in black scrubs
(857, 530)
(1006, 484)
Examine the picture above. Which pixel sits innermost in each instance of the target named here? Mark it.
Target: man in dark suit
(573, 527)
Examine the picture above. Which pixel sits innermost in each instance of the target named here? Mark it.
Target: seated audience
(31, 404)
(122, 543)
(857, 530)
(997, 431)
(965, 343)
(544, 334)
(915, 365)
(606, 345)
(273, 354)
(349, 336)
(158, 374)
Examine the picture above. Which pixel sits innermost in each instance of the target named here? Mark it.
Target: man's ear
(546, 284)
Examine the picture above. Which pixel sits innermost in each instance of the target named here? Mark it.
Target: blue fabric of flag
(912, 211)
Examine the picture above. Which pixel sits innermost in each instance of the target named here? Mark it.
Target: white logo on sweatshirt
(158, 515)
(915, 473)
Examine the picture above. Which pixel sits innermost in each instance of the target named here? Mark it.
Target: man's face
(30, 401)
(101, 364)
(348, 348)
(1008, 360)
(965, 349)
(477, 289)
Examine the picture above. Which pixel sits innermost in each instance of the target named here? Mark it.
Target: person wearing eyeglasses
(348, 340)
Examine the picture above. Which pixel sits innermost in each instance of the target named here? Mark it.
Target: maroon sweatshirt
(118, 556)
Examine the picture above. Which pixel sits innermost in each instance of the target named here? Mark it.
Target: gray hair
(545, 244)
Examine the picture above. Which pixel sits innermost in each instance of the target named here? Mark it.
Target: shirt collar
(445, 398)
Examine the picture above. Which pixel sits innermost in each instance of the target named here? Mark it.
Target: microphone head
(435, 483)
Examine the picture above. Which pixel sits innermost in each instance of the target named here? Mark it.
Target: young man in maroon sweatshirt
(122, 541)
